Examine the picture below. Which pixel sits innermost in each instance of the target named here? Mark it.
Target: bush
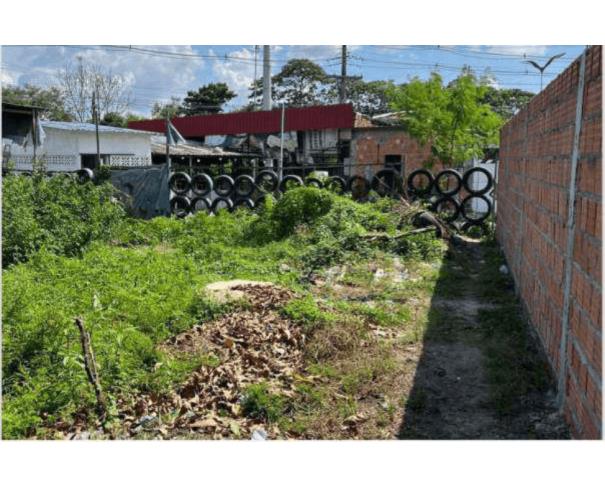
(300, 206)
(55, 213)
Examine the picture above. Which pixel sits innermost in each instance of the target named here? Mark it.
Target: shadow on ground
(481, 374)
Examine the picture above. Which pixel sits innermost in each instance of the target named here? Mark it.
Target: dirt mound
(254, 345)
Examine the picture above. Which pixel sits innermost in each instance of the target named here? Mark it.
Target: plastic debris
(259, 435)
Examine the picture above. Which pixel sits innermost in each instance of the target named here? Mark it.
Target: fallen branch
(385, 236)
(91, 368)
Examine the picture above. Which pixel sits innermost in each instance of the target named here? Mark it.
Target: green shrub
(300, 206)
(55, 213)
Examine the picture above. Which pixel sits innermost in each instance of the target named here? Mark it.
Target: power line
(457, 50)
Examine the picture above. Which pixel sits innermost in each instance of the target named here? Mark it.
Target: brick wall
(369, 147)
(534, 179)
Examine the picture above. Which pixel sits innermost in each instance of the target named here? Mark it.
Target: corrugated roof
(158, 146)
(262, 122)
(89, 127)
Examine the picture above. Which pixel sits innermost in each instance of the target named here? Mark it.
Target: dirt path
(452, 396)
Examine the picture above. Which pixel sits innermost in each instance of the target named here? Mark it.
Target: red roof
(263, 122)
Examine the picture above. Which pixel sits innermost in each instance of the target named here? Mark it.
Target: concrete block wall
(534, 179)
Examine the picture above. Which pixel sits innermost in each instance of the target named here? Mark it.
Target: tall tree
(506, 102)
(453, 119)
(51, 99)
(300, 83)
(169, 109)
(78, 84)
(209, 98)
(255, 96)
(367, 97)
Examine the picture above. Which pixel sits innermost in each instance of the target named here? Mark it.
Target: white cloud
(238, 74)
(150, 77)
(518, 50)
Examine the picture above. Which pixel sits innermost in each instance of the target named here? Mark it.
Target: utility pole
(95, 117)
(254, 87)
(343, 78)
(280, 170)
(343, 75)
(168, 142)
(266, 77)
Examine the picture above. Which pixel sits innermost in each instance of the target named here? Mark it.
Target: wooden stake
(91, 368)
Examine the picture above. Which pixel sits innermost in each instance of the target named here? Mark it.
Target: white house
(69, 146)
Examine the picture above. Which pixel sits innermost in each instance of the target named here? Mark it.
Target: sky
(157, 73)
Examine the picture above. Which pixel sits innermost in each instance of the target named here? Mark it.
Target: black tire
(219, 200)
(243, 186)
(437, 207)
(466, 179)
(223, 185)
(314, 183)
(243, 202)
(416, 190)
(445, 174)
(259, 202)
(267, 181)
(336, 184)
(200, 204)
(386, 182)
(471, 218)
(180, 206)
(469, 227)
(358, 186)
(179, 183)
(290, 180)
(201, 184)
(84, 175)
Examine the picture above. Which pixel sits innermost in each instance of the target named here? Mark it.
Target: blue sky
(155, 73)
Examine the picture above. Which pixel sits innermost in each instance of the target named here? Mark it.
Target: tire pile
(204, 193)
(453, 196)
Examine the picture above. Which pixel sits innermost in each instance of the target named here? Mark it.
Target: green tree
(506, 102)
(453, 119)
(207, 99)
(300, 83)
(51, 99)
(255, 96)
(367, 97)
(116, 120)
(169, 109)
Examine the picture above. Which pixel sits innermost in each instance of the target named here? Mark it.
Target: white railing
(129, 161)
(50, 162)
(70, 162)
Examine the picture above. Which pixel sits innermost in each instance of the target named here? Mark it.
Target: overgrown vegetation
(56, 214)
(71, 251)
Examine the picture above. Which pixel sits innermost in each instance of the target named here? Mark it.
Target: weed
(259, 403)
(306, 312)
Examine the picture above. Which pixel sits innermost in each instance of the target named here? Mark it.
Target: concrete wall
(534, 186)
(63, 148)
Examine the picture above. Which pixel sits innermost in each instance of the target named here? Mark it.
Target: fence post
(571, 224)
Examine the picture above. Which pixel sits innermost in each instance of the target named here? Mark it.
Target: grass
(143, 282)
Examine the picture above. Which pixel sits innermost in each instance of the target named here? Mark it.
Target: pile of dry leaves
(253, 345)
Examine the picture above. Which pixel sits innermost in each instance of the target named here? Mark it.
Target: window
(393, 161)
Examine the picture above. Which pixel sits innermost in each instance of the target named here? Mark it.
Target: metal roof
(89, 127)
(262, 122)
(158, 146)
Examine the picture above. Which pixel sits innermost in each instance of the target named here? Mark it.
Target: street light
(542, 68)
